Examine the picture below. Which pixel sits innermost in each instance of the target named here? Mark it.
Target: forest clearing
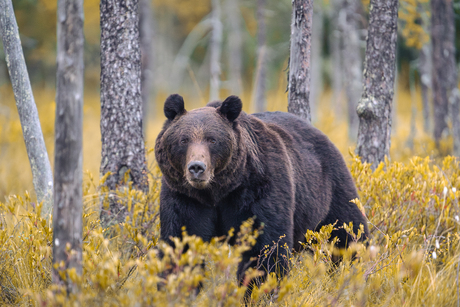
(410, 197)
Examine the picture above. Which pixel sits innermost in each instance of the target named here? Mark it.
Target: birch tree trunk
(374, 108)
(216, 46)
(68, 202)
(121, 103)
(235, 44)
(299, 60)
(146, 36)
(444, 78)
(28, 114)
(352, 62)
(259, 99)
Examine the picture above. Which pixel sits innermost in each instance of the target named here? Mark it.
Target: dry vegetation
(412, 206)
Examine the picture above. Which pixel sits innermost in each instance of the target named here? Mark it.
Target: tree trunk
(146, 36)
(121, 103)
(68, 202)
(424, 66)
(336, 74)
(352, 61)
(299, 60)
(444, 68)
(216, 46)
(235, 44)
(374, 108)
(28, 115)
(316, 60)
(259, 99)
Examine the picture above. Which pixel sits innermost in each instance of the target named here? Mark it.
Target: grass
(411, 203)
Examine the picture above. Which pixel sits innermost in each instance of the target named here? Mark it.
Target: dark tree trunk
(235, 43)
(299, 60)
(444, 69)
(216, 47)
(121, 103)
(67, 216)
(28, 115)
(260, 80)
(374, 108)
(146, 36)
(352, 61)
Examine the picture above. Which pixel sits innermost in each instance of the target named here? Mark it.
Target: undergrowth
(411, 260)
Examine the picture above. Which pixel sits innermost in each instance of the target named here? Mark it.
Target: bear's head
(198, 144)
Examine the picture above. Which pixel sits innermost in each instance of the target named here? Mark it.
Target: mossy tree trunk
(28, 114)
(444, 78)
(299, 60)
(121, 104)
(68, 202)
(375, 107)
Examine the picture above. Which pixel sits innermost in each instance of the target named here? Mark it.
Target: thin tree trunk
(28, 115)
(68, 202)
(260, 80)
(444, 69)
(121, 103)
(352, 62)
(336, 73)
(146, 36)
(299, 61)
(316, 60)
(424, 66)
(374, 109)
(235, 44)
(216, 46)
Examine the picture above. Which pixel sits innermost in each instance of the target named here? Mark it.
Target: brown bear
(222, 166)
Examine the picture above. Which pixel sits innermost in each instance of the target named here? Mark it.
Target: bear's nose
(196, 168)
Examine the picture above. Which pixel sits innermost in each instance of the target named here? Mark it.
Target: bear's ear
(231, 107)
(174, 105)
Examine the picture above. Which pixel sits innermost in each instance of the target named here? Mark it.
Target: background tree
(28, 114)
(299, 59)
(374, 108)
(121, 103)
(68, 202)
(215, 50)
(445, 88)
(146, 33)
(260, 84)
(234, 45)
(349, 20)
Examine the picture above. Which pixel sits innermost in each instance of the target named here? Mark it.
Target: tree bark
(374, 108)
(28, 114)
(352, 61)
(121, 103)
(68, 202)
(146, 37)
(216, 46)
(260, 80)
(299, 61)
(235, 44)
(444, 77)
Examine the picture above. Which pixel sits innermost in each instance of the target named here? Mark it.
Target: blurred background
(180, 33)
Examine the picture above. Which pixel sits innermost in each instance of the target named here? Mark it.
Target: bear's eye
(184, 141)
(212, 141)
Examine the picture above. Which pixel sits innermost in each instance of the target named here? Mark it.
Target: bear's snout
(196, 168)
